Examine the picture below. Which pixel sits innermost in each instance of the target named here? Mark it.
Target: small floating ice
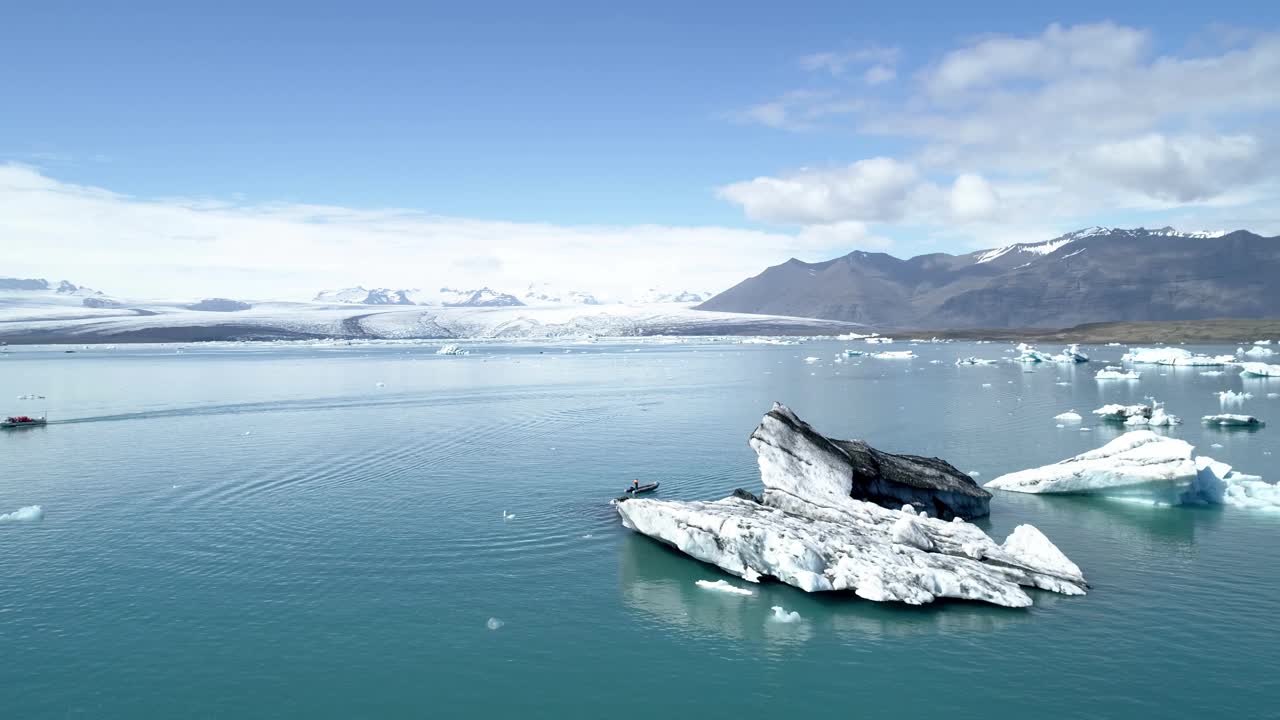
(30, 513)
(724, 587)
(811, 360)
(1174, 356)
(1232, 420)
(974, 361)
(1231, 397)
(454, 350)
(1256, 352)
(1113, 372)
(494, 623)
(1069, 416)
(508, 516)
(781, 615)
(894, 355)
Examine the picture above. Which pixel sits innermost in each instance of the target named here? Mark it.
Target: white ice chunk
(1217, 484)
(30, 513)
(451, 350)
(1259, 369)
(1069, 416)
(1112, 372)
(724, 587)
(1174, 356)
(1232, 420)
(781, 615)
(494, 623)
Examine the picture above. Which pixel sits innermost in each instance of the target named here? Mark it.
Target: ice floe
(1258, 369)
(974, 361)
(1151, 415)
(451, 350)
(1174, 356)
(724, 587)
(1231, 397)
(1069, 416)
(1144, 466)
(880, 340)
(1136, 458)
(1256, 352)
(1232, 420)
(894, 355)
(1113, 372)
(494, 623)
(782, 615)
(30, 513)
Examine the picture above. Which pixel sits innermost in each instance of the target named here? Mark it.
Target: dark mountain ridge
(1088, 276)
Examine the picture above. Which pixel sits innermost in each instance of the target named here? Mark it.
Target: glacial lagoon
(331, 530)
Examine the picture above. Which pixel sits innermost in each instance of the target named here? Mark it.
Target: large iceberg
(1146, 466)
(1134, 460)
(794, 458)
(1174, 356)
(811, 531)
(1071, 355)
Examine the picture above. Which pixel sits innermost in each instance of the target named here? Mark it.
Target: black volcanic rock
(1089, 276)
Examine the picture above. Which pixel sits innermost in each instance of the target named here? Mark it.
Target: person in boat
(635, 485)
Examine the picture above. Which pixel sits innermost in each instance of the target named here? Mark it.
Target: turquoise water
(266, 532)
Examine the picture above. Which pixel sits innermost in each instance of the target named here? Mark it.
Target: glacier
(810, 531)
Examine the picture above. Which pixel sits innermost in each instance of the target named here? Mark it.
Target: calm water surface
(268, 532)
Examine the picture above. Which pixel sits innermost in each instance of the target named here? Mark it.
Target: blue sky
(583, 115)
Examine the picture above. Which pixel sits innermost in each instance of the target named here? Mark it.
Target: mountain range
(537, 294)
(1098, 274)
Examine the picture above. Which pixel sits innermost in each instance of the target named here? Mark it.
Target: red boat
(22, 421)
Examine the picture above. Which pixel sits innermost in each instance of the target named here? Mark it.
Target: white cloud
(879, 75)
(1055, 52)
(845, 236)
(1064, 127)
(1182, 169)
(973, 198)
(836, 63)
(185, 248)
(869, 190)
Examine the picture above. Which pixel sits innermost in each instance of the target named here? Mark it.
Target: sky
(274, 149)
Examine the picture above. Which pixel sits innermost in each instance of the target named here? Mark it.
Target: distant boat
(20, 421)
(642, 489)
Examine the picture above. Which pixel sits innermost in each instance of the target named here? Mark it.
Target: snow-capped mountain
(654, 295)
(41, 285)
(539, 294)
(444, 297)
(1049, 246)
(1097, 274)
